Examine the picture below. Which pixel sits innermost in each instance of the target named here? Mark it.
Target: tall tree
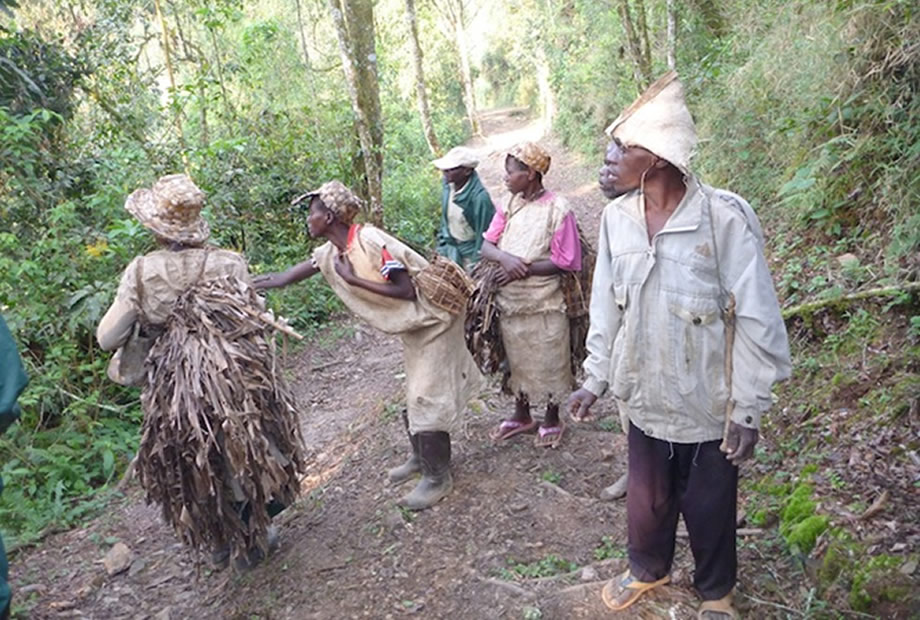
(672, 34)
(421, 93)
(458, 14)
(637, 41)
(303, 43)
(354, 27)
(172, 82)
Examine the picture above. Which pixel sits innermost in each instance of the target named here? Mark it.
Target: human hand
(514, 267)
(739, 443)
(266, 280)
(579, 405)
(344, 268)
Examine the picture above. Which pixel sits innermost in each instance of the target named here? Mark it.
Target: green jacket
(477, 209)
(13, 381)
(13, 378)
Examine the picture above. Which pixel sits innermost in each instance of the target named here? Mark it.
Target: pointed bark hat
(659, 121)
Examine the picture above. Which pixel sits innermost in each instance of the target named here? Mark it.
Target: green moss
(802, 535)
(798, 506)
(760, 517)
(811, 468)
(878, 580)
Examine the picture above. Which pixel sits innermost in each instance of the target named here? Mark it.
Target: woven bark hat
(337, 198)
(659, 121)
(456, 157)
(531, 154)
(171, 209)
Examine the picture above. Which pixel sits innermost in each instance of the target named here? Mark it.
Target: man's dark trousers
(697, 481)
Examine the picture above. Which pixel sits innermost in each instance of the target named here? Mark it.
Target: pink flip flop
(509, 428)
(549, 436)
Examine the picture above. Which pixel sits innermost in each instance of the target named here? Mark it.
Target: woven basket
(444, 283)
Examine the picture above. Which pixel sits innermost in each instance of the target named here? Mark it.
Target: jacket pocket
(694, 345)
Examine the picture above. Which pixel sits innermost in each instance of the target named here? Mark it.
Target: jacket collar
(687, 216)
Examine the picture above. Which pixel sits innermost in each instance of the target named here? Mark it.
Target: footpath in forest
(522, 536)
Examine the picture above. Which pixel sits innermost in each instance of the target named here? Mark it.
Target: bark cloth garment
(441, 376)
(221, 438)
(534, 324)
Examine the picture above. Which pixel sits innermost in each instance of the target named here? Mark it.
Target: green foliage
(799, 525)
(544, 567)
(877, 581)
(608, 549)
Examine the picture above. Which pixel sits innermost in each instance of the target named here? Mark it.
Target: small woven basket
(444, 283)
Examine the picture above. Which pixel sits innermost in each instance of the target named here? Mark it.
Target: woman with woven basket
(534, 238)
(394, 289)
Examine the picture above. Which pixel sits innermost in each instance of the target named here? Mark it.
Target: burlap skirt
(441, 377)
(537, 348)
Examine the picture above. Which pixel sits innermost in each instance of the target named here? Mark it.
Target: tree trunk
(172, 83)
(642, 69)
(303, 43)
(547, 101)
(354, 26)
(672, 35)
(422, 95)
(469, 96)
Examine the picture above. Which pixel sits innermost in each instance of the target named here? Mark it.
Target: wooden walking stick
(728, 318)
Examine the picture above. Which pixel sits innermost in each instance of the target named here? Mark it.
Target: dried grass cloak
(220, 431)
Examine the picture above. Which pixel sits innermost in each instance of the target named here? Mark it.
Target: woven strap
(139, 286)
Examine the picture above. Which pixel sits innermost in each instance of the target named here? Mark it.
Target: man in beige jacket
(673, 255)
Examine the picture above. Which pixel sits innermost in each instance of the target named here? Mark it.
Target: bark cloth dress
(441, 375)
(534, 325)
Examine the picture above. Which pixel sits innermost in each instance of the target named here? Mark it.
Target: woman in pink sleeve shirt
(534, 237)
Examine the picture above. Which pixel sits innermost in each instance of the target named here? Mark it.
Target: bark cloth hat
(171, 209)
(532, 155)
(339, 199)
(457, 157)
(659, 121)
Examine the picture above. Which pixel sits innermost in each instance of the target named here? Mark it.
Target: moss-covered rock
(878, 581)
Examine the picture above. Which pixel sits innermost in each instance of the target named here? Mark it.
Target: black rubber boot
(436, 482)
(412, 466)
(408, 469)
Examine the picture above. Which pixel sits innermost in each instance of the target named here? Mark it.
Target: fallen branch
(877, 506)
(741, 531)
(813, 306)
(511, 587)
(560, 490)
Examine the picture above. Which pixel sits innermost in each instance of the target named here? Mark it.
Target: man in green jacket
(466, 208)
(12, 381)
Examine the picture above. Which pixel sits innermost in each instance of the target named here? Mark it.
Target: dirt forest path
(522, 535)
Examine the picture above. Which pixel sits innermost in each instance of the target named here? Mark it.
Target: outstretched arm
(300, 271)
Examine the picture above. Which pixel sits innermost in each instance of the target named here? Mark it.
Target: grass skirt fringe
(220, 434)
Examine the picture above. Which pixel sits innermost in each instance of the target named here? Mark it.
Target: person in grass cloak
(534, 237)
(242, 465)
(466, 208)
(686, 331)
(372, 273)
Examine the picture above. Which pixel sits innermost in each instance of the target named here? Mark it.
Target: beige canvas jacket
(167, 275)
(657, 338)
